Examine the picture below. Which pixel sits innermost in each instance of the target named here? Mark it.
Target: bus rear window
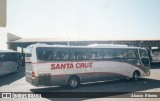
(28, 55)
(28, 52)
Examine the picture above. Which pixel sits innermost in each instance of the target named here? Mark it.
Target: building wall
(3, 39)
(3, 34)
(3, 5)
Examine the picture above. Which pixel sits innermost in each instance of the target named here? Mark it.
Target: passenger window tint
(2, 56)
(6, 57)
(12, 57)
(60, 54)
(127, 54)
(95, 53)
(51, 54)
(109, 53)
(143, 53)
(132, 54)
(122, 53)
(78, 54)
(28, 52)
(43, 54)
(28, 55)
(119, 53)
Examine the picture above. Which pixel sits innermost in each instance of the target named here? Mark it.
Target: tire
(135, 76)
(17, 69)
(73, 82)
(63, 86)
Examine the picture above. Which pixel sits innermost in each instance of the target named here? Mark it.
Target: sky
(84, 19)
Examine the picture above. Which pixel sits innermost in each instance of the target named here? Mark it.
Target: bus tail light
(33, 74)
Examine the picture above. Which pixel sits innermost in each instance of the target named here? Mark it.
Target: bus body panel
(55, 73)
(9, 66)
(100, 71)
(6, 69)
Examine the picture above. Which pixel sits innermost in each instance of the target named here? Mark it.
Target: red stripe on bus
(92, 73)
(29, 62)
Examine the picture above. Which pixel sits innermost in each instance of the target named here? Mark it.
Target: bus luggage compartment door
(45, 79)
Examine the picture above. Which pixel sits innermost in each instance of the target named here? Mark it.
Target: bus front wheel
(73, 82)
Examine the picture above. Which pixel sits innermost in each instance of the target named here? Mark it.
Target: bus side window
(44, 54)
(10, 57)
(78, 54)
(2, 57)
(95, 53)
(39, 53)
(72, 56)
(60, 54)
(122, 53)
(81, 55)
(109, 53)
(6, 57)
(48, 55)
(132, 54)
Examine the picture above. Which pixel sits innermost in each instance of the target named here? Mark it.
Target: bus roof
(89, 46)
(8, 51)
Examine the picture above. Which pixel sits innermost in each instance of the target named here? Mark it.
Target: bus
(155, 55)
(10, 61)
(60, 65)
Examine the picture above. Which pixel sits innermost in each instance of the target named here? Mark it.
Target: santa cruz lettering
(71, 65)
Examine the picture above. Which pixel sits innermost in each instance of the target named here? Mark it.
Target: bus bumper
(34, 81)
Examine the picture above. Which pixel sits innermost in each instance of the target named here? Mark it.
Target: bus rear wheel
(135, 76)
(17, 69)
(73, 82)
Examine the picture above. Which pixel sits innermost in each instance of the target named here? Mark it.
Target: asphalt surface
(15, 82)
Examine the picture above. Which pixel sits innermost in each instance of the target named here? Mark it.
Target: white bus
(155, 55)
(10, 61)
(59, 65)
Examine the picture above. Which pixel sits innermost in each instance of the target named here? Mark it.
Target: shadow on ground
(103, 89)
(12, 77)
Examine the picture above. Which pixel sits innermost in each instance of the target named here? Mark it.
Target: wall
(3, 39)
(3, 5)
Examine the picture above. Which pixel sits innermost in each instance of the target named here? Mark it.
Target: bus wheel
(17, 69)
(135, 76)
(73, 82)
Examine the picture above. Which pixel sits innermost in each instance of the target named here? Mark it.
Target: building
(17, 43)
(3, 5)
(3, 33)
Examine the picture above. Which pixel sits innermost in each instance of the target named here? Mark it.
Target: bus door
(145, 60)
(121, 57)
